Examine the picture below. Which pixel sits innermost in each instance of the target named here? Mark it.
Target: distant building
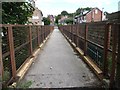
(93, 15)
(51, 18)
(37, 17)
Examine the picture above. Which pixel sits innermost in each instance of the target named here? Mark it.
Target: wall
(37, 17)
(94, 15)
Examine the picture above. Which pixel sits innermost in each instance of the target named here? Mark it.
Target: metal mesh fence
(95, 35)
(21, 44)
(96, 40)
(6, 55)
(18, 44)
(81, 35)
(34, 37)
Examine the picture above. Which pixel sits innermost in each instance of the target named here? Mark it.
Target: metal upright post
(1, 63)
(114, 47)
(77, 35)
(38, 35)
(85, 40)
(117, 79)
(12, 51)
(106, 44)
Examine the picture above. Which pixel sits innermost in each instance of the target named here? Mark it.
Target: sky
(55, 7)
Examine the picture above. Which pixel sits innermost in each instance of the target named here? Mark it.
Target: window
(35, 17)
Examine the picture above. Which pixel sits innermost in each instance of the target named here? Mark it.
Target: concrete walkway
(58, 66)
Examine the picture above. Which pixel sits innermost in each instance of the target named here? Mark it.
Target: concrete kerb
(86, 59)
(26, 65)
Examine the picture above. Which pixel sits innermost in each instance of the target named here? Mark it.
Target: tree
(64, 13)
(46, 21)
(80, 11)
(57, 18)
(69, 21)
(16, 12)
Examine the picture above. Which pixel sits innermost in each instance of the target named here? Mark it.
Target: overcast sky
(55, 7)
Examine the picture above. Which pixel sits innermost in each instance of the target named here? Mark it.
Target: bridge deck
(58, 66)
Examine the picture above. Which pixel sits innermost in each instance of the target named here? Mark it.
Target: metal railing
(19, 42)
(98, 41)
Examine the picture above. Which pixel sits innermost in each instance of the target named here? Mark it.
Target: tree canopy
(57, 18)
(64, 13)
(16, 12)
(81, 10)
(46, 21)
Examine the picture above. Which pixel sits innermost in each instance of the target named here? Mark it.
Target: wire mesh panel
(18, 43)
(96, 54)
(99, 41)
(34, 37)
(75, 34)
(95, 35)
(21, 44)
(42, 33)
(7, 73)
(81, 35)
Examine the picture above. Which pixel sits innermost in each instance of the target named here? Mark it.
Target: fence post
(77, 35)
(117, 79)
(38, 35)
(85, 40)
(1, 62)
(30, 40)
(106, 44)
(12, 53)
(44, 33)
(114, 44)
(41, 34)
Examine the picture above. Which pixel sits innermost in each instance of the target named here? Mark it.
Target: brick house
(93, 15)
(37, 17)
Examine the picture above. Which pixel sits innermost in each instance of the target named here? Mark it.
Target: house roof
(84, 14)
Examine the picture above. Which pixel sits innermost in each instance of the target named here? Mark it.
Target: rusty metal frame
(12, 53)
(1, 63)
(85, 40)
(77, 35)
(117, 78)
(114, 42)
(106, 44)
(38, 35)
